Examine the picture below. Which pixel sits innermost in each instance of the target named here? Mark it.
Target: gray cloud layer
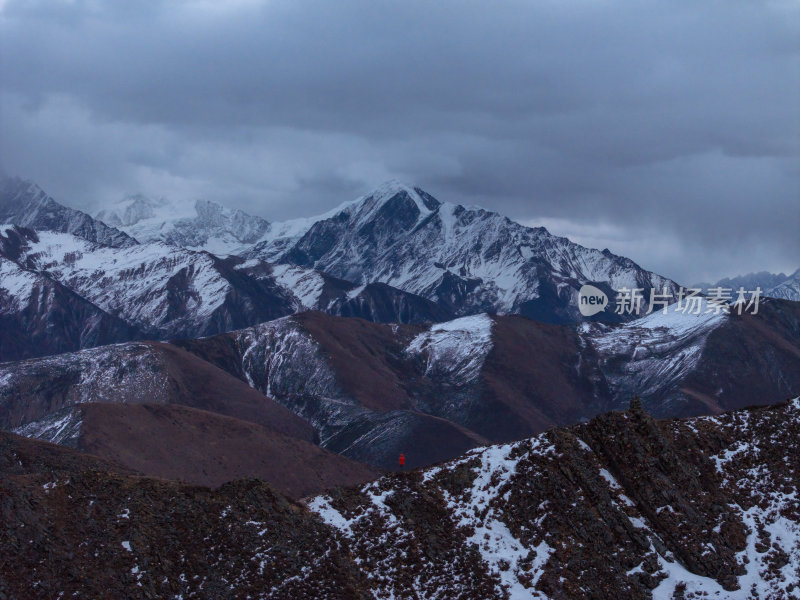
(667, 131)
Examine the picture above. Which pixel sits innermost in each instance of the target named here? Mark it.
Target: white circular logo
(591, 300)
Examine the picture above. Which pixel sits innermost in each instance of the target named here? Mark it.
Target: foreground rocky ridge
(623, 506)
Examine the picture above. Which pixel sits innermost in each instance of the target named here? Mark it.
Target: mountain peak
(393, 188)
(26, 204)
(195, 224)
(15, 189)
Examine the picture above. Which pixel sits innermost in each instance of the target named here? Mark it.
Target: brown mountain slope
(68, 527)
(136, 372)
(355, 380)
(752, 359)
(200, 447)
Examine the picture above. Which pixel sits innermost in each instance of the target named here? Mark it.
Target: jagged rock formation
(623, 507)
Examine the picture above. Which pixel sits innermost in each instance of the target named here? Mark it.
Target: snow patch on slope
(658, 349)
(455, 348)
(497, 545)
(305, 284)
(61, 427)
(17, 283)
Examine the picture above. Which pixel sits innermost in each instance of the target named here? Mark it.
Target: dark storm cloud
(667, 131)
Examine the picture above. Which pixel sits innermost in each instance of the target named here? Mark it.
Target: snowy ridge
(198, 225)
(465, 259)
(473, 515)
(162, 290)
(62, 427)
(788, 290)
(131, 282)
(25, 204)
(305, 284)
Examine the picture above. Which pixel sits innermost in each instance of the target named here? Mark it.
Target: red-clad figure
(402, 460)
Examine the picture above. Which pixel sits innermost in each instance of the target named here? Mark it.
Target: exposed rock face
(26, 204)
(620, 507)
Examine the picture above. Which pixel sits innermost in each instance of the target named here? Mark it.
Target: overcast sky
(666, 131)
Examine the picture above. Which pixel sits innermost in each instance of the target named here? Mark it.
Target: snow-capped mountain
(60, 293)
(161, 290)
(789, 289)
(773, 285)
(26, 204)
(465, 260)
(763, 279)
(468, 260)
(198, 225)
